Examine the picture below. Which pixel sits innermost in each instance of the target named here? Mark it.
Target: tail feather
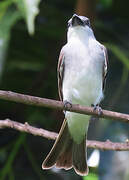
(79, 158)
(65, 160)
(66, 153)
(61, 153)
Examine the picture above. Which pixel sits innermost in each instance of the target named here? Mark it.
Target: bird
(82, 71)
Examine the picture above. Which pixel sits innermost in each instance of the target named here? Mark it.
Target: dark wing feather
(105, 67)
(60, 73)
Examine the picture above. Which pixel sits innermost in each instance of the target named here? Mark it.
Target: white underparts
(82, 82)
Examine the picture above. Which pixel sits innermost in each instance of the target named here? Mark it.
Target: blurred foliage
(91, 176)
(106, 3)
(7, 20)
(28, 9)
(28, 65)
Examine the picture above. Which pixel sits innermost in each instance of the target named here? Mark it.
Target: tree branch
(107, 145)
(37, 101)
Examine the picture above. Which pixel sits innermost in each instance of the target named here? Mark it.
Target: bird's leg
(97, 108)
(67, 105)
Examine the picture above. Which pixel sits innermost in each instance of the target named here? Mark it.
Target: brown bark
(108, 145)
(37, 101)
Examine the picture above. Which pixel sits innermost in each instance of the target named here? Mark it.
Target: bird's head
(79, 26)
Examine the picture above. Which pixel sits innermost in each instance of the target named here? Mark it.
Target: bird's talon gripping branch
(97, 109)
(67, 105)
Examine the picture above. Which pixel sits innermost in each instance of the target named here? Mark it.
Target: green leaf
(8, 17)
(29, 10)
(90, 176)
(3, 7)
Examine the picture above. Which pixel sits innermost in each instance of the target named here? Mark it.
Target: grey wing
(60, 74)
(105, 67)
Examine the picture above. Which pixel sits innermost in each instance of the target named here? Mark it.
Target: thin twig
(107, 145)
(37, 101)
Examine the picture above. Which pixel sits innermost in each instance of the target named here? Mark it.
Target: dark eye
(87, 22)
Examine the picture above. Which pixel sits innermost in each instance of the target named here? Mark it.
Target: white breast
(82, 82)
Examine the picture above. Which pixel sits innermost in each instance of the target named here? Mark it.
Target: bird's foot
(97, 108)
(67, 105)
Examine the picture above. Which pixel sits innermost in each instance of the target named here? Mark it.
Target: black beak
(76, 21)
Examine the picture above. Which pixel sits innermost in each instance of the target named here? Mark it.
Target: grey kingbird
(82, 68)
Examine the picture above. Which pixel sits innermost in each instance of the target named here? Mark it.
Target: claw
(97, 109)
(67, 105)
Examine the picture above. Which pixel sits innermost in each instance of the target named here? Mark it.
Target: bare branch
(7, 123)
(37, 101)
(108, 145)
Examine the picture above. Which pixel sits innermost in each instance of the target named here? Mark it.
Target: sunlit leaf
(4, 6)
(90, 176)
(29, 10)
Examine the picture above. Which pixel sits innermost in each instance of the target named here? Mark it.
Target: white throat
(80, 33)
